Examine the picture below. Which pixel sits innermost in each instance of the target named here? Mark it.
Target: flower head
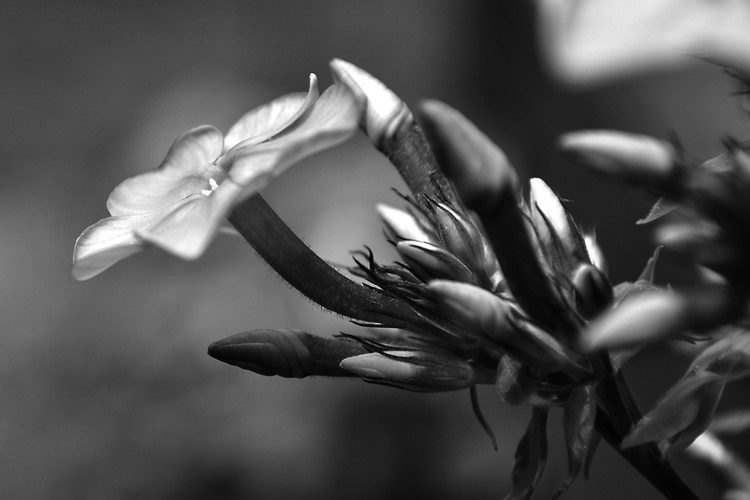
(180, 206)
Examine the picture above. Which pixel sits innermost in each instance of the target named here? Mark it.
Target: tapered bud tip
(266, 352)
(401, 225)
(384, 112)
(636, 158)
(477, 166)
(646, 318)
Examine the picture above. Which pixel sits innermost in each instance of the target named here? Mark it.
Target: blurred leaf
(578, 424)
(531, 457)
(686, 410)
(661, 208)
(731, 423)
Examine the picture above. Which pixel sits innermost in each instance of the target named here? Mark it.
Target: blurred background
(106, 388)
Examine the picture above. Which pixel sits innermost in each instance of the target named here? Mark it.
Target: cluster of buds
(492, 287)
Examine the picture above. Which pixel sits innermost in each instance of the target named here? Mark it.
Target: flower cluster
(491, 288)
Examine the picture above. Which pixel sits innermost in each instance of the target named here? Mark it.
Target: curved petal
(333, 119)
(187, 230)
(587, 42)
(107, 242)
(270, 119)
(185, 171)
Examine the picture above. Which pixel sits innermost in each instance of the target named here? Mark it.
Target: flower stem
(289, 256)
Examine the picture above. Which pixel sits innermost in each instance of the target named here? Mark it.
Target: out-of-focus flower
(591, 41)
(180, 206)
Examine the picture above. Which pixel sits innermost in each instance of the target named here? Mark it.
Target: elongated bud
(596, 256)
(285, 353)
(416, 370)
(592, 289)
(487, 316)
(654, 316)
(462, 237)
(391, 127)
(479, 169)
(706, 245)
(384, 112)
(432, 262)
(635, 158)
(401, 225)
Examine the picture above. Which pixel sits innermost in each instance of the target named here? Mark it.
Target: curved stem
(644, 459)
(304, 270)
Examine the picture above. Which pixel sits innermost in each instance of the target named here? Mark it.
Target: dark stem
(645, 460)
(304, 270)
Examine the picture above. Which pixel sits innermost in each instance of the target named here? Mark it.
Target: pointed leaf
(661, 208)
(270, 119)
(531, 457)
(578, 423)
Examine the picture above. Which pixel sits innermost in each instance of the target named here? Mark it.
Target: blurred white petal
(589, 41)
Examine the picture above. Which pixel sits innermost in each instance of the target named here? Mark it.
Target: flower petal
(107, 242)
(587, 42)
(268, 120)
(187, 230)
(333, 119)
(185, 171)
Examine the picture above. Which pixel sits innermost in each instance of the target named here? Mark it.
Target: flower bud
(430, 262)
(401, 225)
(285, 353)
(479, 169)
(654, 316)
(462, 237)
(593, 290)
(488, 317)
(635, 158)
(384, 113)
(420, 371)
(596, 256)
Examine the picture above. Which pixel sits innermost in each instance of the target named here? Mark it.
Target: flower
(180, 205)
(591, 41)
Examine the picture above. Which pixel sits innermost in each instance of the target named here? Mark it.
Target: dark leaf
(531, 457)
(686, 410)
(578, 424)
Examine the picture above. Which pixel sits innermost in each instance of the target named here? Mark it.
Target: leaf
(578, 423)
(661, 208)
(531, 457)
(686, 410)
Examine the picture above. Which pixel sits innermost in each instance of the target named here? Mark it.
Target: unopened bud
(384, 113)
(421, 371)
(487, 316)
(596, 256)
(479, 169)
(401, 225)
(285, 353)
(554, 228)
(462, 237)
(654, 316)
(635, 158)
(592, 289)
(432, 262)
(705, 244)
